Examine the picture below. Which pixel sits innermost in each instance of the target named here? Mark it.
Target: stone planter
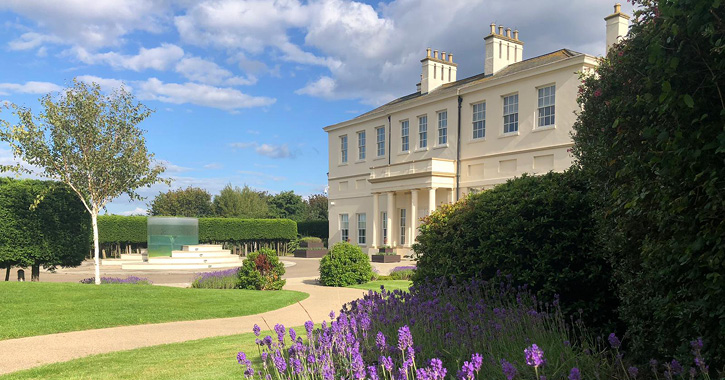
(388, 251)
(385, 258)
(312, 244)
(311, 253)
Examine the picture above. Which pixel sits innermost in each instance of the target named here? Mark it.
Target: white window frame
(384, 226)
(361, 146)
(343, 149)
(546, 106)
(423, 132)
(380, 141)
(361, 229)
(510, 113)
(443, 127)
(405, 136)
(344, 227)
(403, 217)
(478, 120)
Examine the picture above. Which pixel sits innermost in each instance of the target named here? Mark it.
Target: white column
(413, 215)
(376, 213)
(431, 200)
(450, 196)
(391, 212)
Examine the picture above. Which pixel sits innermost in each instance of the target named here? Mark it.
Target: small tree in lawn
(87, 140)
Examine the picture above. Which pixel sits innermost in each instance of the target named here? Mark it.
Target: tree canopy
(233, 202)
(650, 137)
(189, 202)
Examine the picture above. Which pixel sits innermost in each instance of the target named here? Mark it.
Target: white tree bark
(96, 261)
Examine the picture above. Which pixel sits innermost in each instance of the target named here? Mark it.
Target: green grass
(389, 285)
(37, 308)
(210, 358)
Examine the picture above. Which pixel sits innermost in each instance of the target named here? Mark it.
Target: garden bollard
(21, 275)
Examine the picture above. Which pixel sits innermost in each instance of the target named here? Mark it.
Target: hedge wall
(316, 228)
(132, 229)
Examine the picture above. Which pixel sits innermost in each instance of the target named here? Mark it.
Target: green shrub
(122, 229)
(311, 239)
(650, 137)
(317, 228)
(240, 230)
(539, 230)
(262, 270)
(346, 264)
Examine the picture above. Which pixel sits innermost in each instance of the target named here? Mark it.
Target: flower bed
(223, 279)
(133, 280)
(402, 273)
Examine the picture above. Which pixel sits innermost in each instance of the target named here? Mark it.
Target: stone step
(131, 256)
(202, 247)
(121, 261)
(149, 266)
(189, 254)
(196, 260)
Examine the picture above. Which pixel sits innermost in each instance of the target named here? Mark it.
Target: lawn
(210, 358)
(37, 308)
(389, 285)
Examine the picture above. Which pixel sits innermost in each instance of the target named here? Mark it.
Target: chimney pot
(516, 35)
(450, 58)
(435, 54)
(500, 30)
(508, 32)
(617, 8)
(443, 56)
(493, 28)
(427, 52)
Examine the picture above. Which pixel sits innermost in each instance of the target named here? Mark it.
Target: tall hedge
(316, 228)
(132, 229)
(41, 223)
(538, 229)
(651, 139)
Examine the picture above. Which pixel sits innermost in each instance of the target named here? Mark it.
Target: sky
(241, 89)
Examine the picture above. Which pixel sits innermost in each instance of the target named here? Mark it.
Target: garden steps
(149, 266)
(203, 256)
(198, 254)
(195, 260)
(203, 248)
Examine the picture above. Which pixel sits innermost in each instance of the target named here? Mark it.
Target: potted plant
(385, 254)
(310, 247)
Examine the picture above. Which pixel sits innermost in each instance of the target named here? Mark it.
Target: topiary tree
(90, 142)
(539, 230)
(262, 270)
(42, 223)
(189, 202)
(651, 140)
(345, 265)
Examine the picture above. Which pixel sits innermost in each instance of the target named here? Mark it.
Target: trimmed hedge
(345, 265)
(316, 228)
(132, 229)
(232, 229)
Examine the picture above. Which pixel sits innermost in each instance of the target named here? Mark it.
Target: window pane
(381, 141)
(361, 145)
(343, 148)
(423, 131)
(511, 113)
(442, 128)
(404, 131)
(546, 108)
(402, 226)
(479, 120)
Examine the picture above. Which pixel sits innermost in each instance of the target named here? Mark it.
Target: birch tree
(87, 140)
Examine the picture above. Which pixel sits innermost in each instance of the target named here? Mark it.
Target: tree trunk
(7, 273)
(35, 273)
(96, 248)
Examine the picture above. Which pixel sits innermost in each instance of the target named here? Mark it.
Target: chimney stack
(436, 71)
(617, 26)
(502, 49)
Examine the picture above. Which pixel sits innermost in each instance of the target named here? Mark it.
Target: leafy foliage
(240, 230)
(651, 140)
(41, 223)
(122, 229)
(233, 202)
(287, 205)
(262, 270)
(189, 202)
(317, 228)
(90, 142)
(540, 230)
(346, 264)
(316, 207)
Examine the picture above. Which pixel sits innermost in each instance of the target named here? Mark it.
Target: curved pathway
(24, 353)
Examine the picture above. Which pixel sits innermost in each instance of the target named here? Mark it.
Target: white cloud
(171, 168)
(213, 166)
(323, 88)
(31, 87)
(274, 151)
(136, 211)
(202, 95)
(242, 145)
(158, 58)
(208, 72)
(32, 40)
(107, 84)
(90, 24)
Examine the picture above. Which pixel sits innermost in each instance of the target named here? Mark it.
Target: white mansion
(395, 164)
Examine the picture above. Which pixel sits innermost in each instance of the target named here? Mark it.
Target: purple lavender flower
(477, 361)
(614, 341)
(405, 339)
(534, 356)
(386, 362)
(264, 356)
(575, 374)
(434, 371)
(633, 372)
(268, 341)
(676, 367)
(372, 372)
(508, 369)
(332, 314)
(280, 330)
(279, 362)
(293, 334)
(466, 372)
(380, 342)
(411, 354)
(296, 365)
(241, 358)
(309, 326)
(256, 330)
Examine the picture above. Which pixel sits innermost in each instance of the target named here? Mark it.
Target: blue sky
(242, 89)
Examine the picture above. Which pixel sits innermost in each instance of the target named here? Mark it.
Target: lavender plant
(223, 279)
(402, 272)
(117, 280)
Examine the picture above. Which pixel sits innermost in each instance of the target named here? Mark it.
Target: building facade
(395, 164)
